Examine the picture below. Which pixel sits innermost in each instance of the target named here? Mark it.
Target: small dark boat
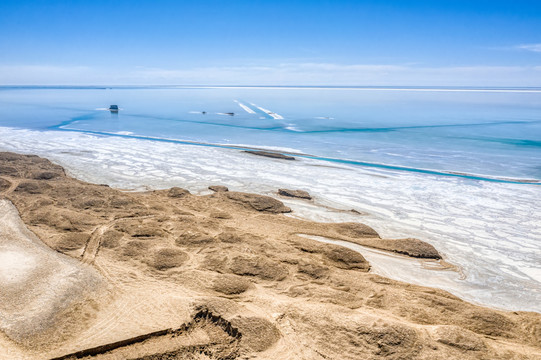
(113, 108)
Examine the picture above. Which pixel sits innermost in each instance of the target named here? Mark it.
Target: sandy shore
(218, 276)
(488, 229)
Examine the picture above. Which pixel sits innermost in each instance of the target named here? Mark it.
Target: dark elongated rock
(218, 188)
(270, 154)
(301, 194)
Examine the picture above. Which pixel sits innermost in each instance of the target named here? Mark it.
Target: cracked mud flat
(150, 262)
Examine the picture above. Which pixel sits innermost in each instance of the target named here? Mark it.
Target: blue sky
(408, 42)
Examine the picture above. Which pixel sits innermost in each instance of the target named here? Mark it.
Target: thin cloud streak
(530, 47)
(280, 74)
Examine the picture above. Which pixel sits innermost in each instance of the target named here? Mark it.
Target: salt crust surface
(490, 230)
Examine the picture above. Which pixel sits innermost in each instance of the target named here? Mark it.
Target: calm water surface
(475, 132)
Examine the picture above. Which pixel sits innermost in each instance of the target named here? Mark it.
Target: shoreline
(444, 173)
(360, 163)
(383, 198)
(195, 245)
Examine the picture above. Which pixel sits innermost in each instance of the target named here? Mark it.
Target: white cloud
(356, 74)
(39, 74)
(530, 47)
(278, 74)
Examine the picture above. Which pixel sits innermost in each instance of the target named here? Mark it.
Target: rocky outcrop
(409, 247)
(218, 188)
(176, 192)
(301, 194)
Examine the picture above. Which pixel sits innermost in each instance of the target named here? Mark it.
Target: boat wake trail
(246, 108)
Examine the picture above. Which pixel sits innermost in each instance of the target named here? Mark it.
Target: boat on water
(113, 108)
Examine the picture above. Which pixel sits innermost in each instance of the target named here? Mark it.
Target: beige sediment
(167, 255)
(41, 291)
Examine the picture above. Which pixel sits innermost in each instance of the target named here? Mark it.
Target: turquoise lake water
(488, 133)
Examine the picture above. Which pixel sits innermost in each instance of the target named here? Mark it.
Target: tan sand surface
(39, 287)
(167, 256)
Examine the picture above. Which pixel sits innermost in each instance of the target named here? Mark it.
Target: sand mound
(340, 256)
(346, 258)
(259, 202)
(258, 266)
(45, 175)
(90, 202)
(364, 337)
(229, 236)
(32, 187)
(231, 284)
(490, 323)
(459, 338)
(136, 249)
(355, 230)
(166, 258)
(192, 238)
(111, 238)
(257, 334)
(366, 236)
(9, 170)
(176, 192)
(72, 241)
(313, 270)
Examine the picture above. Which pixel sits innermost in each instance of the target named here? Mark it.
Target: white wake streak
(246, 108)
(270, 113)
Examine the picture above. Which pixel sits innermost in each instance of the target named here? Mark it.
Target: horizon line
(350, 87)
